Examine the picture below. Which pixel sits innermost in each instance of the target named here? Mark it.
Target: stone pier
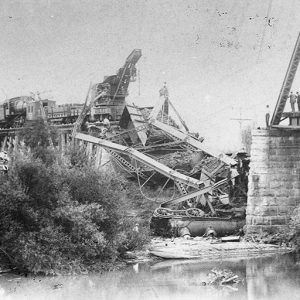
(274, 180)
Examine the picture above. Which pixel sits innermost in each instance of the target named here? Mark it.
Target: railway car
(64, 113)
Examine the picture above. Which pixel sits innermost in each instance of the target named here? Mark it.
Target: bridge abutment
(274, 180)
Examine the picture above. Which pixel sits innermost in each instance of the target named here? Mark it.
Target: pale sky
(221, 59)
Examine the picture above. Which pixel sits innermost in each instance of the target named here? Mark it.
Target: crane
(113, 87)
(117, 85)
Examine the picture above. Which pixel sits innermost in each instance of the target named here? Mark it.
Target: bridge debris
(151, 145)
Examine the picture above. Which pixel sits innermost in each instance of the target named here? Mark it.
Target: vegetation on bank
(60, 215)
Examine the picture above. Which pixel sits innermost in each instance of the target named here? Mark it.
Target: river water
(276, 277)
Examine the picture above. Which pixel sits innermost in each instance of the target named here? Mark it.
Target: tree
(37, 136)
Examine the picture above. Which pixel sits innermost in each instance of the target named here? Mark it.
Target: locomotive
(16, 111)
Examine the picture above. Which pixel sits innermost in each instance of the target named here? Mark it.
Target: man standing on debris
(298, 100)
(292, 101)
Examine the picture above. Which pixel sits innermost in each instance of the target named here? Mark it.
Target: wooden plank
(135, 118)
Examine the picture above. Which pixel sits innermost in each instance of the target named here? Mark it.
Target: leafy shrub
(132, 235)
(77, 156)
(61, 219)
(62, 215)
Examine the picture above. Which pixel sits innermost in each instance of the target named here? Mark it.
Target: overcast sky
(221, 59)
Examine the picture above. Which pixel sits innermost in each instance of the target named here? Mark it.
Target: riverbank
(203, 249)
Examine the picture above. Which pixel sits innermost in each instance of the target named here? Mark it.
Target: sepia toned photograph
(149, 149)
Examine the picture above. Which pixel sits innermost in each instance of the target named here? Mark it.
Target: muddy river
(276, 277)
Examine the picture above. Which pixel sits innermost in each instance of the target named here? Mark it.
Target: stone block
(279, 177)
(272, 229)
(296, 185)
(255, 178)
(283, 210)
(278, 220)
(249, 219)
(272, 211)
(282, 193)
(261, 221)
(250, 208)
(277, 184)
(272, 201)
(281, 170)
(260, 210)
(297, 201)
(290, 201)
(289, 164)
(267, 193)
(255, 201)
(253, 229)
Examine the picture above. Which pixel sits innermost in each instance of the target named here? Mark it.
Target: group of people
(295, 98)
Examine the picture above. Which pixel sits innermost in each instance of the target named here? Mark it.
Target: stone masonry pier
(274, 180)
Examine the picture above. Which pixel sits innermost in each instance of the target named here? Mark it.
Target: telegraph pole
(240, 119)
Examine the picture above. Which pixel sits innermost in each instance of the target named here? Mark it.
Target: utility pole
(240, 119)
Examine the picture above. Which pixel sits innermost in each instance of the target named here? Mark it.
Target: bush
(77, 156)
(61, 219)
(129, 239)
(64, 216)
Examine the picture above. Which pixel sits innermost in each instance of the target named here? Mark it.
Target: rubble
(223, 277)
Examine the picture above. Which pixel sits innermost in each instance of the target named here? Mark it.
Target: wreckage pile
(217, 180)
(154, 146)
(151, 148)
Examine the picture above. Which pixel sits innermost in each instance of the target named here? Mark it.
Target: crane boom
(287, 84)
(118, 83)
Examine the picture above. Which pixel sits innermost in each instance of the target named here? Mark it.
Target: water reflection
(276, 277)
